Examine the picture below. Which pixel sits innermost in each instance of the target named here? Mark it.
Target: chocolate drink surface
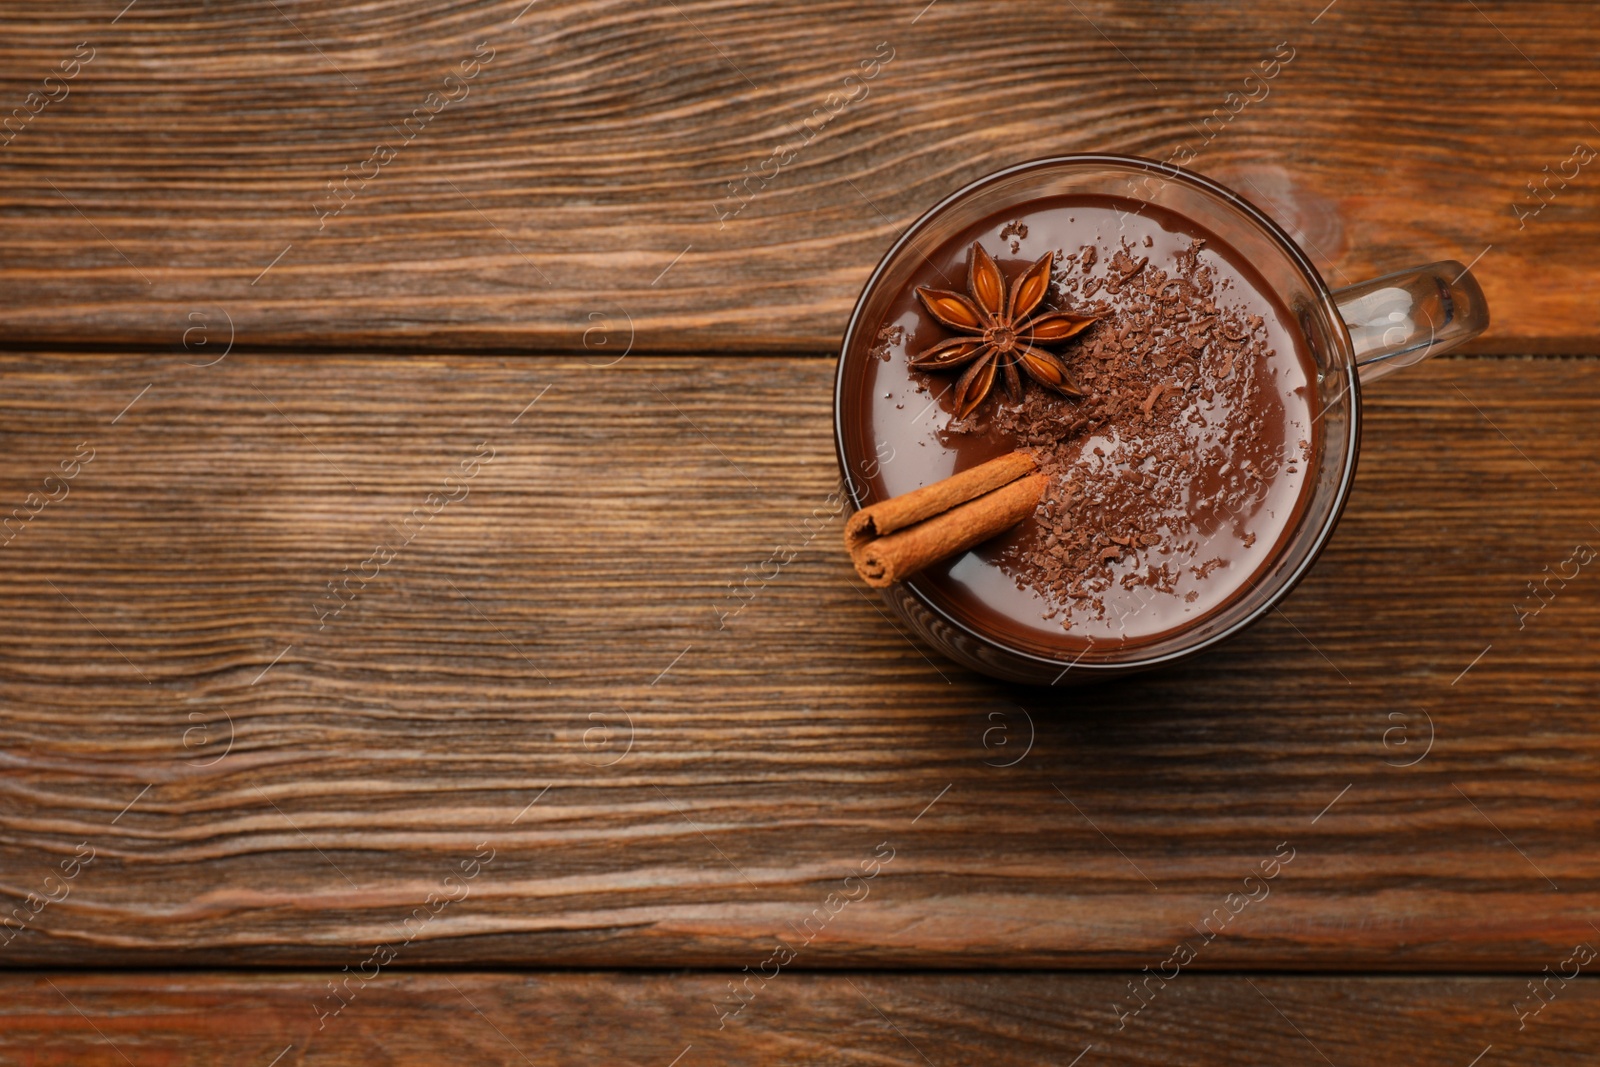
(1175, 478)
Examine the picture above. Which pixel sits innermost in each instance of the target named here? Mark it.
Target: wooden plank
(481, 1018)
(578, 187)
(551, 668)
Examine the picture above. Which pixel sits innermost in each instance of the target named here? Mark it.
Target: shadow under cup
(1285, 273)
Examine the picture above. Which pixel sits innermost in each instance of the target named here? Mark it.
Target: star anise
(1000, 337)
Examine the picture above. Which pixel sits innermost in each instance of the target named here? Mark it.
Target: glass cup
(1354, 336)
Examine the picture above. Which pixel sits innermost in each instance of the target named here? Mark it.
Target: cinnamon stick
(901, 554)
(887, 516)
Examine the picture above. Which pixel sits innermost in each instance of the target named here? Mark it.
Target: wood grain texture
(552, 668)
(578, 192)
(657, 1020)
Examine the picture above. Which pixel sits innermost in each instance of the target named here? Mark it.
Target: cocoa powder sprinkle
(1173, 373)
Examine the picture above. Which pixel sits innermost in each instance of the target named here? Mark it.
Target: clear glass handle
(1401, 319)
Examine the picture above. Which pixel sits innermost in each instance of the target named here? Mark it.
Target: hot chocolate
(1173, 479)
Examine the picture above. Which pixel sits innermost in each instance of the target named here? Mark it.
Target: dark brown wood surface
(417, 648)
(577, 189)
(546, 669)
(661, 1020)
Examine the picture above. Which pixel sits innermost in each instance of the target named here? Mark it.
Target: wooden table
(394, 396)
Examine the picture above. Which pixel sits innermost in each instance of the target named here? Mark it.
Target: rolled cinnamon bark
(899, 555)
(887, 516)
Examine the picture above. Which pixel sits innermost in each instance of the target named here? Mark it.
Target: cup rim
(1317, 285)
